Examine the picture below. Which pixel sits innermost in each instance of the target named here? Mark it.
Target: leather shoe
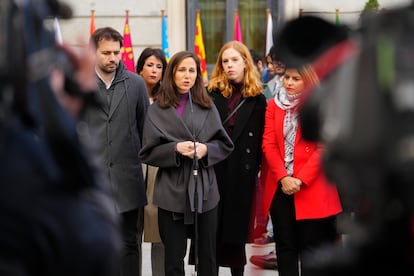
(265, 240)
(268, 261)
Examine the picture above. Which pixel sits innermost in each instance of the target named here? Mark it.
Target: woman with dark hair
(183, 129)
(151, 66)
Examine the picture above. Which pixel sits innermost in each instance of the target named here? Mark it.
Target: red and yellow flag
(127, 52)
(92, 25)
(199, 48)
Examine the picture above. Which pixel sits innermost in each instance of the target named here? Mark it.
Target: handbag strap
(234, 111)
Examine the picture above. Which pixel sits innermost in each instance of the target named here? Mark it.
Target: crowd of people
(158, 156)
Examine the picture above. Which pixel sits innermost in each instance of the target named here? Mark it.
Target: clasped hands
(187, 149)
(290, 185)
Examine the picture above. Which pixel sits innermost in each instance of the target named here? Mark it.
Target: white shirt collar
(106, 85)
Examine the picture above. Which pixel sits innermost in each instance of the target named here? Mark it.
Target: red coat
(317, 198)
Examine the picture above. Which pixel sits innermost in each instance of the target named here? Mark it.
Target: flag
(127, 52)
(199, 49)
(269, 32)
(58, 33)
(237, 29)
(337, 20)
(164, 37)
(92, 25)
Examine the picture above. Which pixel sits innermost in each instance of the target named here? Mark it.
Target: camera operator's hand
(290, 185)
(73, 78)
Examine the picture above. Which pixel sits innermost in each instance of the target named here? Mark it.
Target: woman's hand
(187, 148)
(290, 185)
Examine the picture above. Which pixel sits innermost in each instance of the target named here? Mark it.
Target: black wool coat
(117, 127)
(237, 174)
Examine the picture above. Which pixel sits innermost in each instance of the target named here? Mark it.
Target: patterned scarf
(290, 123)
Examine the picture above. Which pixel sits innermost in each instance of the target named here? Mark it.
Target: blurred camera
(363, 113)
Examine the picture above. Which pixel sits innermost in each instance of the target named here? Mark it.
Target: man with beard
(118, 125)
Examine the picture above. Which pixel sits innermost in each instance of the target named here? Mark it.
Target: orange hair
(252, 85)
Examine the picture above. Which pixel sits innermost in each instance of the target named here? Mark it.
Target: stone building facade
(145, 17)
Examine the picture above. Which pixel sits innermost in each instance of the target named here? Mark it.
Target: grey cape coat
(174, 184)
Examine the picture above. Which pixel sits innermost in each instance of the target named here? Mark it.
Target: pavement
(250, 269)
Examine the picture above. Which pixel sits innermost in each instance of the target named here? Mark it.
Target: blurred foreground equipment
(363, 112)
(57, 218)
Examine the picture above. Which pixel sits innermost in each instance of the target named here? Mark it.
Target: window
(213, 21)
(216, 18)
(252, 15)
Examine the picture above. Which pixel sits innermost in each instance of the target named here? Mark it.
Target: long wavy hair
(168, 94)
(252, 85)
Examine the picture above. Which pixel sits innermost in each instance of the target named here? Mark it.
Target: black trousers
(132, 228)
(297, 238)
(174, 234)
